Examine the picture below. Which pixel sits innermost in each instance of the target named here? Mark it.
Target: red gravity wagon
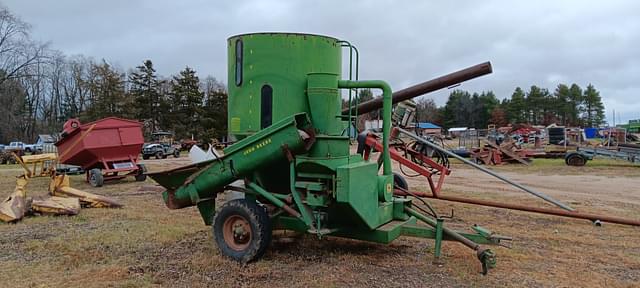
(107, 149)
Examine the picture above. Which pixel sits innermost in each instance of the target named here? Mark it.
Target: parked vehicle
(162, 146)
(159, 150)
(28, 148)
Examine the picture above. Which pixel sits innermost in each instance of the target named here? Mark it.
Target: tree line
(41, 88)
(566, 105)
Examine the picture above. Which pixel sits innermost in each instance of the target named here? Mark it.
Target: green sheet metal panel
(281, 61)
(187, 186)
(357, 190)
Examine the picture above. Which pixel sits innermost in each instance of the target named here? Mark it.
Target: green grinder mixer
(293, 156)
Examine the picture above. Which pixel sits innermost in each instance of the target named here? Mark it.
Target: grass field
(145, 244)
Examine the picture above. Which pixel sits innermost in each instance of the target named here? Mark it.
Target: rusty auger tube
(425, 87)
(548, 211)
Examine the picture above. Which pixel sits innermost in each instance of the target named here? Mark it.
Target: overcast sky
(404, 42)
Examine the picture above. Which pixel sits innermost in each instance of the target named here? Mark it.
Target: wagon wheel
(575, 159)
(400, 182)
(140, 176)
(95, 177)
(242, 230)
(158, 154)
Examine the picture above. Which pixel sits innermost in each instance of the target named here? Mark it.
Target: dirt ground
(145, 244)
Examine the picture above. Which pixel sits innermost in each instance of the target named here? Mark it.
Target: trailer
(107, 149)
(624, 152)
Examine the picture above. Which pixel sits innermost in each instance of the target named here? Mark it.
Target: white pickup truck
(27, 148)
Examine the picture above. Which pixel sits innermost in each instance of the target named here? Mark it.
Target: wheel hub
(237, 232)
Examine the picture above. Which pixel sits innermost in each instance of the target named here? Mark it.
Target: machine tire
(159, 155)
(399, 181)
(247, 215)
(176, 153)
(575, 159)
(141, 176)
(145, 157)
(95, 177)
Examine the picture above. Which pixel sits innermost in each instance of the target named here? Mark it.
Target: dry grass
(146, 245)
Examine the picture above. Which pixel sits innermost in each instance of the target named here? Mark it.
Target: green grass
(145, 244)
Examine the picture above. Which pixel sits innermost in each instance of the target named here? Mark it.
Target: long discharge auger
(432, 85)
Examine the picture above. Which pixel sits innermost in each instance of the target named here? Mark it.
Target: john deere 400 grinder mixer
(293, 153)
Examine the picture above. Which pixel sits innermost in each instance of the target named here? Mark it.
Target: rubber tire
(260, 229)
(141, 176)
(145, 157)
(28, 150)
(575, 159)
(176, 153)
(159, 155)
(95, 177)
(399, 181)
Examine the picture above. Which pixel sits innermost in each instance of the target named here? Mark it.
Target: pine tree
(535, 104)
(550, 108)
(562, 103)
(593, 108)
(575, 105)
(489, 103)
(187, 100)
(145, 91)
(458, 110)
(517, 107)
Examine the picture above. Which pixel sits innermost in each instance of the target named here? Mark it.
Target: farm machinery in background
(294, 162)
(623, 152)
(107, 149)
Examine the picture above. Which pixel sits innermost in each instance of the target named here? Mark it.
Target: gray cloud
(403, 42)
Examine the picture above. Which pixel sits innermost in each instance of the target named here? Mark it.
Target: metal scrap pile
(493, 154)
